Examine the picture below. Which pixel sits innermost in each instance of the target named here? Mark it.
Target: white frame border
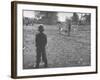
(35, 72)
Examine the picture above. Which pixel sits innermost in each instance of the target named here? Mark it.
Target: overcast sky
(61, 15)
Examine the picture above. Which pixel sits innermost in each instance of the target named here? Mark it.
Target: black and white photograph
(56, 39)
(53, 39)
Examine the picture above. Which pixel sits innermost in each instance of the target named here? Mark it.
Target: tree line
(51, 18)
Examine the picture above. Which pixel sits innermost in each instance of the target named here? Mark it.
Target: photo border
(14, 37)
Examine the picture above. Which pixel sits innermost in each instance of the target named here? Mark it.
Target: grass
(62, 50)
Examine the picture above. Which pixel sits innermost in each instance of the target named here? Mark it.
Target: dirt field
(62, 50)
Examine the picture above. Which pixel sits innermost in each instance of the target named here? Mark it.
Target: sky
(30, 14)
(61, 15)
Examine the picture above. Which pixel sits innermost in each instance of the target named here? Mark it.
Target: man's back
(41, 40)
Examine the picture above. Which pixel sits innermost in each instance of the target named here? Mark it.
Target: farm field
(62, 50)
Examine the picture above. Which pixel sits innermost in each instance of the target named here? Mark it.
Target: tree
(48, 17)
(87, 18)
(75, 18)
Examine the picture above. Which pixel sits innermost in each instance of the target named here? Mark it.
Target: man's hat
(41, 28)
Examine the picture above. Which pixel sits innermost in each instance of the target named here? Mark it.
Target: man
(69, 27)
(59, 26)
(41, 41)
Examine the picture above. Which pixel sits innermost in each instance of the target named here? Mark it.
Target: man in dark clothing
(69, 27)
(41, 41)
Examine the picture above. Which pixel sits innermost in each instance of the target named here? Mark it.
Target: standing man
(69, 27)
(59, 27)
(41, 42)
